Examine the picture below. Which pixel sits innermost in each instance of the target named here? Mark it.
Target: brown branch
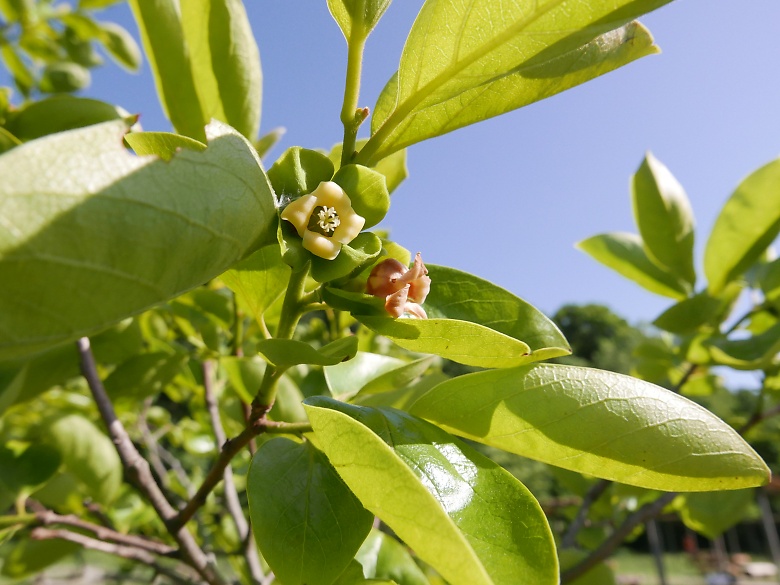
(138, 471)
(231, 494)
(594, 493)
(125, 551)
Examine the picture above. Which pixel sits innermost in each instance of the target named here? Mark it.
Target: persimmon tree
(267, 370)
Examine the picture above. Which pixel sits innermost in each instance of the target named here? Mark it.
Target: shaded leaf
(699, 310)
(32, 556)
(383, 557)
(353, 257)
(285, 353)
(747, 224)
(148, 230)
(367, 191)
(162, 144)
(664, 216)
(121, 45)
(625, 254)
(595, 422)
(25, 470)
(713, 513)
(293, 485)
(435, 492)
(753, 353)
(393, 167)
(346, 379)
(299, 171)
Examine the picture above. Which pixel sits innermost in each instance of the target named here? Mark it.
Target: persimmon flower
(404, 289)
(324, 219)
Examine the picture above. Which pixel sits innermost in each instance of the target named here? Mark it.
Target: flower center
(324, 220)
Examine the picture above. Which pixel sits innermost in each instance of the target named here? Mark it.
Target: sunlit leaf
(596, 422)
(747, 224)
(624, 253)
(357, 18)
(148, 230)
(393, 167)
(121, 45)
(383, 557)
(701, 309)
(664, 216)
(307, 523)
(713, 513)
(753, 353)
(435, 492)
(162, 144)
(284, 353)
(346, 379)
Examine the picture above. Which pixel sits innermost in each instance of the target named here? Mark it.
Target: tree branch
(138, 471)
(125, 551)
(594, 493)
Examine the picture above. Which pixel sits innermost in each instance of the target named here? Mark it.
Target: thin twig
(232, 501)
(138, 471)
(120, 550)
(594, 493)
(151, 444)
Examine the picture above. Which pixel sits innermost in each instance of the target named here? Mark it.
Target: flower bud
(404, 289)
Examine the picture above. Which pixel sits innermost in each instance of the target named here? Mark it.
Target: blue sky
(508, 198)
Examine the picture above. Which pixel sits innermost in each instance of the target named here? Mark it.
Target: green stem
(351, 116)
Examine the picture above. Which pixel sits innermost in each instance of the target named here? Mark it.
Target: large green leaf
(436, 493)
(460, 341)
(465, 62)
(625, 254)
(459, 295)
(747, 224)
(159, 22)
(664, 217)
(225, 62)
(88, 454)
(599, 423)
(110, 234)
(306, 522)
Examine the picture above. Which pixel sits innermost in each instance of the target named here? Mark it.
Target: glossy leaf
(162, 144)
(353, 257)
(346, 379)
(460, 341)
(459, 295)
(299, 171)
(747, 224)
(664, 216)
(383, 557)
(60, 113)
(204, 210)
(357, 18)
(596, 422)
(465, 63)
(367, 191)
(121, 45)
(163, 40)
(285, 353)
(435, 492)
(88, 454)
(292, 485)
(225, 62)
(258, 280)
(699, 310)
(624, 253)
(714, 513)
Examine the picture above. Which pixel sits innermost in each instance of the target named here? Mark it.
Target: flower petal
(320, 245)
(299, 211)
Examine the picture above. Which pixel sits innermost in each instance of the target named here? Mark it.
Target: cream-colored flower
(324, 219)
(404, 289)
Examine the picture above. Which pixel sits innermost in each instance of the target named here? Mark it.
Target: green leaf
(162, 144)
(285, 353)
(245, 375)
(23, 471)
(664, 217)
(64, 77)
(383, 557)
(399, 377)
(266, 142)
(88, 454)
(601, 574)
(148, 230)
(346, 379)
(145, 374)
(367, 191)
(393, 167)
(60, 113)
(225, 62)
(163, 40)
(355, 302)
(96, 4)
(754, 353)
(463, 63)
(357, 18)
(595, 422)
(259, 280)
(713, 513)
(7, 140)
(120, 45)
(701, 309)
(32, 556)
(292, 486)
(460, 341)
(354, 257)
(770, 281)
(625, 254)
(21, 74)
(435, 493)
(299, 171)
(459, 295)
(747, 224)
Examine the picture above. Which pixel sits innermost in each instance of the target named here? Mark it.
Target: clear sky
(508, 198)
